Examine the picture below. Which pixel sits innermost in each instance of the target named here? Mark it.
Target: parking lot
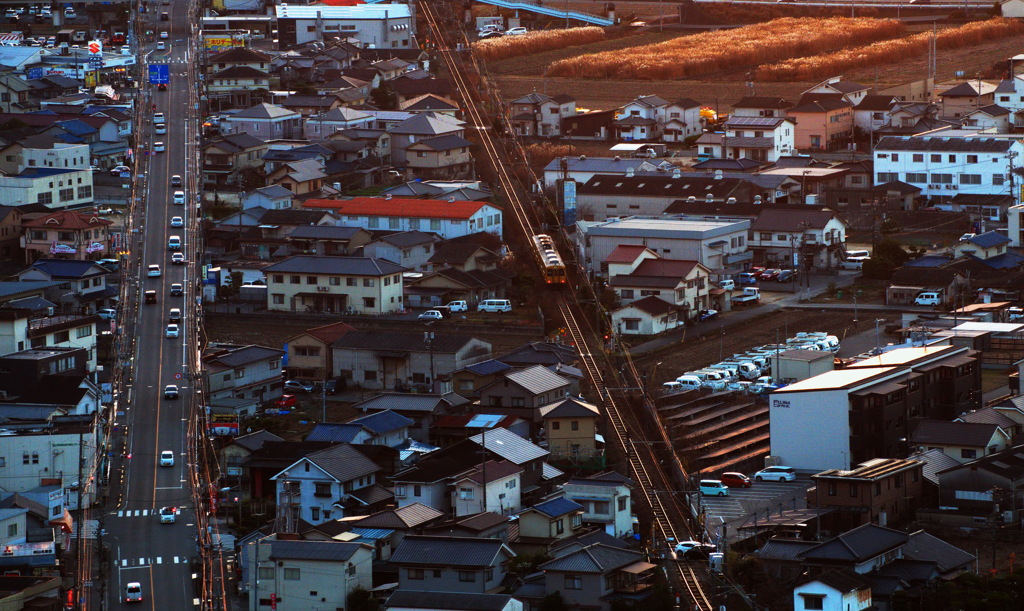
(741, 505)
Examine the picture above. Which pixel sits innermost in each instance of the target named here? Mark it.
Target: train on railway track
(551, 265)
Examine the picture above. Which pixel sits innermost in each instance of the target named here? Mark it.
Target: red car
(286, 401)
(736, 480)
(769, 274)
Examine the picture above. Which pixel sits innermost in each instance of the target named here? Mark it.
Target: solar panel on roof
(484, 420)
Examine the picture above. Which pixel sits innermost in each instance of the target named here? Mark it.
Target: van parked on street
(713, 487)
(928, 298)
(494, 305)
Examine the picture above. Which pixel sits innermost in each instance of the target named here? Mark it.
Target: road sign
(159, 74)
(177, 376)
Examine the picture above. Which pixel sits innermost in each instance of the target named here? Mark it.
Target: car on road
(177, 221)
(164, 35)
(179, 197)
(177, 290)
(694, 549)
(704, 315)
(166, 458)
(286, 401)
(748, 278)
(69, 13)
(516, 31)
(172, 331)
(713, 487)
(431, 315)
(153, 271)
(853, 263)
(735, 480)
(150, 296)
(161, 46)
(787, 275)
(159, 147)
(133, 592)
(119, 169)
(107, 313)
(161, 86)
(174, 315)
(171, 391)
(769, 274)
(490, 34)
(160, 129)
(175, 179)
(178, 258)
(776, 474)
(299, 386)
(167, 515)
(457, 306)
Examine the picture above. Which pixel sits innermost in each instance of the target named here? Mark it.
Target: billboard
(159, 74)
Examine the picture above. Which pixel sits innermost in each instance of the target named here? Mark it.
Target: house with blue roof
(470, 379)
(546, 523)
(87, 280)
(386, 427)
(982, 245)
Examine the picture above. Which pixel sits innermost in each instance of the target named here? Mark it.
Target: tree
(362, 599)
(887, 256)
(384, 97)
(552, 602)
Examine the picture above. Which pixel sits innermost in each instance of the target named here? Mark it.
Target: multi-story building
(297, 575)
(318, 484)
(946, 166)
(492, 486)
(606, 499)
(85, 281)
(243, 372)
(43, 151)
(609, 197)
(456, 565)
(54, 188)
(418, 127)
(758, 138)
(264, 121)
(824, 121)
(67, 234)
(804, 238)
(224, 157)
(306, 283)
(684, 284)
(310, 356)
(883, 491)
(448, 219)
(597, 575)
(376, 26)
(60, 450)
(66, 331)
(571, 426)
(536, 114)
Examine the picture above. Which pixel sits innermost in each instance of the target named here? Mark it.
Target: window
(632, 324)
(61, 337)
(417, 490)
(266, 572)
(575, 425)
(435, 224)
(369, 302)
(334, 281)
(884, 177)
(415, 573)
(766, 236)
(489, 573)
(466, 494)
(972, 159)
(373, 222)
(295, 280)
(997, 179)
(573, 582)
(277, 298)
(314, 513)
(918, 158)
(970, 179)
(394, 223)
(400, 491)
(813, 602)
(292, 574)
(919, 177)
(623, 503)
(370, 375)
(84, 192)
(895, 156)
(66, 195)
(322, 489)
(368, 282)
(556, 425)
(81, 332)
(467, 576)
(944, 179)
(626, 293)
(279, 278)
(350, 281)
(559, 527)
(311, 280)
(965, 453)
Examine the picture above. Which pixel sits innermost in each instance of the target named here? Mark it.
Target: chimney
(710, 198)
(718, 174)
(629, 172)
(677, 173)
(691, 199)
(757, 200)
(731, 200)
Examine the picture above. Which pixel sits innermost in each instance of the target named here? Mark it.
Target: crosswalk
(141, 562)
(89, 529)
(140, 513)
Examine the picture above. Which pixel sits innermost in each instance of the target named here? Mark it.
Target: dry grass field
(507, 47)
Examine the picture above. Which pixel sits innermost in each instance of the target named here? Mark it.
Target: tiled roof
(857, 545)
(784, 549)
(239, 72)
(1008, 463)
(398, 207)
(953, 144)
(934, 461)
(734, 121)
(343, 462)
(537, 379)
(923, 276)
(446, 601)
(540, 353)
(492, 470)
(876, 103)
(940, 432)
(409, 516)
(443, 143)
(989, 239)
(509, 446)
(345, 266)
(488, 367)
(324, 232)
(331, 333)
(372, 495)
(532, 98)
(569, 408)
(330, 551)
(790, 220)
(923, 546)
(426, 550)
(988, 415)
(69, 268)
(557, 507)
(255, 441)
(428, 124)
(596, 558)
(601, 165)
(264, 111)
(242, 356)
(406, 402)
(56, 390)
(404, 341)
(651, 100)
(481, 521)
(844, 581)
(383, 421)
(969, 89)
(291, 216)
(625, 253)
(238, 55)
(67, 219)
(405, 239)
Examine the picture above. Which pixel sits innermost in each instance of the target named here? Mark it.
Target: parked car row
(721, 486)
(487, 305)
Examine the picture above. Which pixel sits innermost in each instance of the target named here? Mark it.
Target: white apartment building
(307, 283)
(946, 166)
(52, 187)
(52, 452)
(757, 138)
(448, 219)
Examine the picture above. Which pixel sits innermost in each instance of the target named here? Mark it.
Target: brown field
(507, 47)
(713, 52)
(537, 64)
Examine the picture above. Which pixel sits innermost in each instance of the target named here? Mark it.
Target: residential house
(403, 359)
(10, 231)
(431, 102)
(908, 282)
(818, 237)
(305, 283)
(301, 177)
(319, 483)
(321, 126)
(444, 157)
(15, 94)
(412, 519)
(65, 331)
(883, 491)
(824, 122)
(503, 444)
(448, 219)
(232, 457)
(980, 486)
(548, 354)
(83, 283)
(983, 245)
(422, 408)
(682, 121)
(583, 168)
(291, 572)
(645, 316)
(410, 249)
(329, 240)
(854, 92)
(406, 87)
(596, 125)
(537, 114)
(449, 430)
(485, 525)
(844, 590)
(455, 565)
(42, 151)
(861, 550)
(264, 121)
(448, 284)
(471, 378)
(1009, 94)
(421, 600)
(545, 524)
(243, 372)
(760, 106)
(607, 501)
(523, 392)
(310, 356)
(274, 197)
(385, 427)
(684, 284)
(466, 257)
(596, 576)
(992, 119)
(961, 99)
(759, 138)
(237, 57)
(493, 486)
(946, 166)
(421, 126)
(66, 234)
(873, 112)
(962, 441)
(914, 118)
(571, 428)
(643, 118)
(22, 370)
(994, 209)
(225, 157)
(236, 86)
(35, 458)
(311, 105)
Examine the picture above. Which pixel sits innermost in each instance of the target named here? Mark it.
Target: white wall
(797, 417)
(948, 170)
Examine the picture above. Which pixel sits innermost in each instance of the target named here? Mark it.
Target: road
(142, 549)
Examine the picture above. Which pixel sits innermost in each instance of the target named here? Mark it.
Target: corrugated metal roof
(569, 408)
(409, 516)
(509, 446)
(383, 422)
(372, 534)
(403, 402)
(426, 550)
(537, 379)
(343, 462)
(597, 558)
(333, 551)
(548, 472)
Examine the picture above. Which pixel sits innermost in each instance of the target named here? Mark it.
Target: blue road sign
(159, 74)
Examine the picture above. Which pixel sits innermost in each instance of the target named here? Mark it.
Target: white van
(688, 382)
(746, 369)
(713, 487)
(158, 147)
(858, 253)
(853, 263)
(732, 372)
(671, 387)
(174, 243)
(494, 305)
(928, 298)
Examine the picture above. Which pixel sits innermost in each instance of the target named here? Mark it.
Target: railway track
(669, 514)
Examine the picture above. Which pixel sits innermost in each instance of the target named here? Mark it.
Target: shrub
(505, 47)
(708, 52)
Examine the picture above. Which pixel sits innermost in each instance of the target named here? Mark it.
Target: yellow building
(571, 426)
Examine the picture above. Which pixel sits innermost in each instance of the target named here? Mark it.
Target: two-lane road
(144, 550)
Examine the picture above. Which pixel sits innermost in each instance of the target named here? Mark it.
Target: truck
(751, 296)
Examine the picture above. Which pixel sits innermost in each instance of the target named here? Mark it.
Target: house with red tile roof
(446, 218)
(682, 284)
(66, 235)
(625, 258)
(310, 356)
